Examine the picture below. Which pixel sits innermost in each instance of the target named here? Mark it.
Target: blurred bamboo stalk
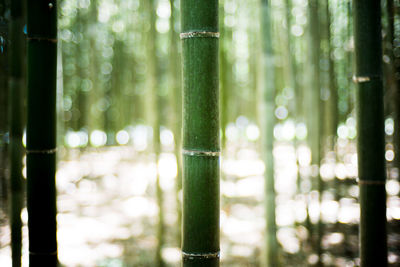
(268, 123)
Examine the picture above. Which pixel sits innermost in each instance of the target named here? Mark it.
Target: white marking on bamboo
(187, 35)
(192, 256)
(199, 153)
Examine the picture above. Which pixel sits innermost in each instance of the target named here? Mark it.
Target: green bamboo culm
(268, 121)
(371, 143)
(176, 95)
(16, 85)
(201, 144)
(155, 118)
(41, 132)
(315, 115)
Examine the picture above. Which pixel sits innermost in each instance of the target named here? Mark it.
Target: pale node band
(201, 153)
(192, 256)
(364, 79)
(187, 35)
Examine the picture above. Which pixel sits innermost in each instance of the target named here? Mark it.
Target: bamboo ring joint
(364, 79)
(201, 153)
(41, 39)
(195, 34)
(41, 151)
(43, 253)
(371, 182)
(192, 256)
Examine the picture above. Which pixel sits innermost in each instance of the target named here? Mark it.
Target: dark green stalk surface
(41, 132)
(371, 159)
(16, 128)
(201, 134)
(268, 116)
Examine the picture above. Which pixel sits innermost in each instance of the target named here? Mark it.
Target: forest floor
(107, 211)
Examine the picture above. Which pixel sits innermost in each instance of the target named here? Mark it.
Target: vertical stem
(177, 96)
(155, 106)
(271, 245)
(16, 85)
(3, 104)
(201, 144)
(333, 110)
(41, 132)
(371, 160)
(394, 71)
(316, 125)
(223, 79)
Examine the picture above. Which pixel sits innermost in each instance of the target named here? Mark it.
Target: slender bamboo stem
(16, 85)
(316, 112)
(201, 144)
(176, 100)
(155, 121)
(4, 9)
(271, 244)
(41, 132)
(371, 144)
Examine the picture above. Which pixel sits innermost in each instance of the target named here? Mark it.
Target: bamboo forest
(162, 133)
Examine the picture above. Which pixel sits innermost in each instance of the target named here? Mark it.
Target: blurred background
(119, 86)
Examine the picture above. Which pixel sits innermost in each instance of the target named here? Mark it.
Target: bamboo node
(192, 256)
(41, 39)
(43, 253)
(198, 153)
(41, 151)
(364, 79)
(371, 182)
(187, 35)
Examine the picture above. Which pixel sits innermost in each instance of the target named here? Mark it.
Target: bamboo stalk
(271, 244)
(371, 144)
(41, 132)
(176, 102)
(155, 117)
(316, 114)
(201, 144)
(16, 85)
(4, 9)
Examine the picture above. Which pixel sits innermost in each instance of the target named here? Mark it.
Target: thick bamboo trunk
(41, 132)
(371, 144)
(201, 144)
(16, 85)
